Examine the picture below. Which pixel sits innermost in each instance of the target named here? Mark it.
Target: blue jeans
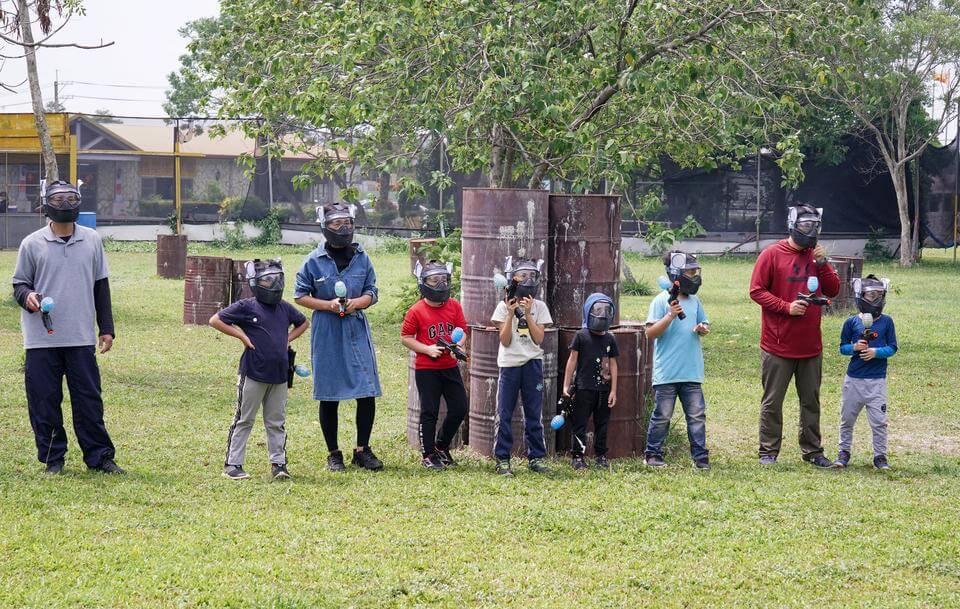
(527, 381)
(694, 408)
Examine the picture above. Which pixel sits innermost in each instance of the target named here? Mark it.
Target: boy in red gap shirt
(790, 341)
(435, 317)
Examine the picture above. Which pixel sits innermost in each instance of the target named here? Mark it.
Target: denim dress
(344, 362)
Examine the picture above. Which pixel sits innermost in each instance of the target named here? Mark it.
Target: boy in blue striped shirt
(869, 339)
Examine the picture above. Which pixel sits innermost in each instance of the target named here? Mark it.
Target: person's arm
(656, 329)
(26, 297)
(890, 337)
(568, 371)
(298, 330)
(104, 307)
(23, 277)
(411, 342)
(503, 319)
(612, 399)
(829, 279)
(846, 339)
(369, 295)
(760, 282)
(231, 330)
(536, 330)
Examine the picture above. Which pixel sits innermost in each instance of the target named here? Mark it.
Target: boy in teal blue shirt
(676, 321)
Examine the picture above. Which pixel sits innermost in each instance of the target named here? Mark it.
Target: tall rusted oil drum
(584, 254)
(498, 222)
(416, 255)
(843, 302)
(626, 430)
(206, 287)
(647, 357)
(239, 288)
(171, 256)
(413, 411)
(484, 374)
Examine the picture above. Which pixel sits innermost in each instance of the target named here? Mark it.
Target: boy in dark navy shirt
(262, 324)
(870, 339)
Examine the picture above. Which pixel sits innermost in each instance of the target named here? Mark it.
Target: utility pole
(56, 89)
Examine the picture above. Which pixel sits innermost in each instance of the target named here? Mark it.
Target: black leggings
(432, 386)
(586, 403)
(366, 410)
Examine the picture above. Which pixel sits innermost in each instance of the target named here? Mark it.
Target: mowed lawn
(174, 533)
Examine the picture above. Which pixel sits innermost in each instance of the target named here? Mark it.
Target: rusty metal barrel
(498, 222)
(171, 256)
(413, 411)
(239, 288)
(584, 254)
(626, 430)
(484, 375)
(843, 302)
(206, 287)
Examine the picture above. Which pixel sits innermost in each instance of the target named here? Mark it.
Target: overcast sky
(146, 48)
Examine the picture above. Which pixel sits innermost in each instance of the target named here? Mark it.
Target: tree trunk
(915, 252)
(383, 199)
(46, 145)
(899, 177)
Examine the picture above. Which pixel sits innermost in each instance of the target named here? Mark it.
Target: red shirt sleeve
(411, 322)
(762, 280)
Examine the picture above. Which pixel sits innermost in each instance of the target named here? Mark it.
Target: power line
(103, 84)
(124, 99)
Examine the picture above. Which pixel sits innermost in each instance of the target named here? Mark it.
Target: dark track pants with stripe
(45, 369)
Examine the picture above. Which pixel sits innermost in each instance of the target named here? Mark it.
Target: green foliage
(445, 249)
(874, 249)
(350, 194)
(270, 232)
(212, 193)
(171, 223)
(660, 237)
(637, 287)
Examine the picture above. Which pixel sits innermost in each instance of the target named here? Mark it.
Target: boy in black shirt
(262, 325)
(593, 356)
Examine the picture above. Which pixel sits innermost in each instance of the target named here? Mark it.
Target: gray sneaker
(768, 460)
(538, 466)
(654, 461)
(235, 472)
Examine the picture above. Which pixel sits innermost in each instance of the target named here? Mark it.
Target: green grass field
(174, 533)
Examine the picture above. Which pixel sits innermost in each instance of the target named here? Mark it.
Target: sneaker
(880, 462)
(820, 461)
(702, 463)
(843, 458)
(107, 466)
(279, 471)
(235, 472)
(445, 457)
(602, 462)
(538, 466)
(503, 467)
(433, 462)
(335, 461)
(768, 459)
(654, 461)
(54, 467)
(578, 463)
(367, 460)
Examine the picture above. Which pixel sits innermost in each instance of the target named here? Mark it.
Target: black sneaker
(703, 463)
(107, 466)
(602, 462)
(433, 462)
(503, 467)
(445, 457)
(335, 461)
(235, 472)
(654, 461)
(880, 462)
(578, 463)
(820, 461)
(367, 460)
(538, 466)
(768, 459)
(843, 459)
(54, 467)
(279, 471)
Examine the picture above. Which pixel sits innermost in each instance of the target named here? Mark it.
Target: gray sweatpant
(857, 394)
(250, 394)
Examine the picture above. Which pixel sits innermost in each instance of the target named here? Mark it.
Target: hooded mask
(598, 313)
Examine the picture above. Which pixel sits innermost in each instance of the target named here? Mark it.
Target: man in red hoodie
(790, 341)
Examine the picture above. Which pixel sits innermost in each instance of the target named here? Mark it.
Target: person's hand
(819, 254)
(105, 343)
(675, 310)
(512, 305)
(352, 305)
(798, 308)
(868, 354)
(527, 303)
(246, 342)
(332, 306)
(861, 345)
(612, 400)
(702, 329)
(566, 391)
(33, 302)
(433, 351)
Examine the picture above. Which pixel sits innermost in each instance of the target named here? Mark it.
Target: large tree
(581, 91)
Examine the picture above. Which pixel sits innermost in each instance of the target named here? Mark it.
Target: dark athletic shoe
(445, 457)
(768, 460)
(279, 471)
(54, 467)
(820, 461)
(235, 472)
(654, 461)
(538, 466)
(367, 460)
(433, 462)
(702, 463)
(843, 459)
(335, 461)
(107, 466)
(880, 462)
(602, 462)
(503, 467)
(578, 463)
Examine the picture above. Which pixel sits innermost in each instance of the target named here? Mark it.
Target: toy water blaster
(813, 284)
(451, 345)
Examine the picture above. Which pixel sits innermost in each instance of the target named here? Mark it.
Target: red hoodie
(780, 274)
